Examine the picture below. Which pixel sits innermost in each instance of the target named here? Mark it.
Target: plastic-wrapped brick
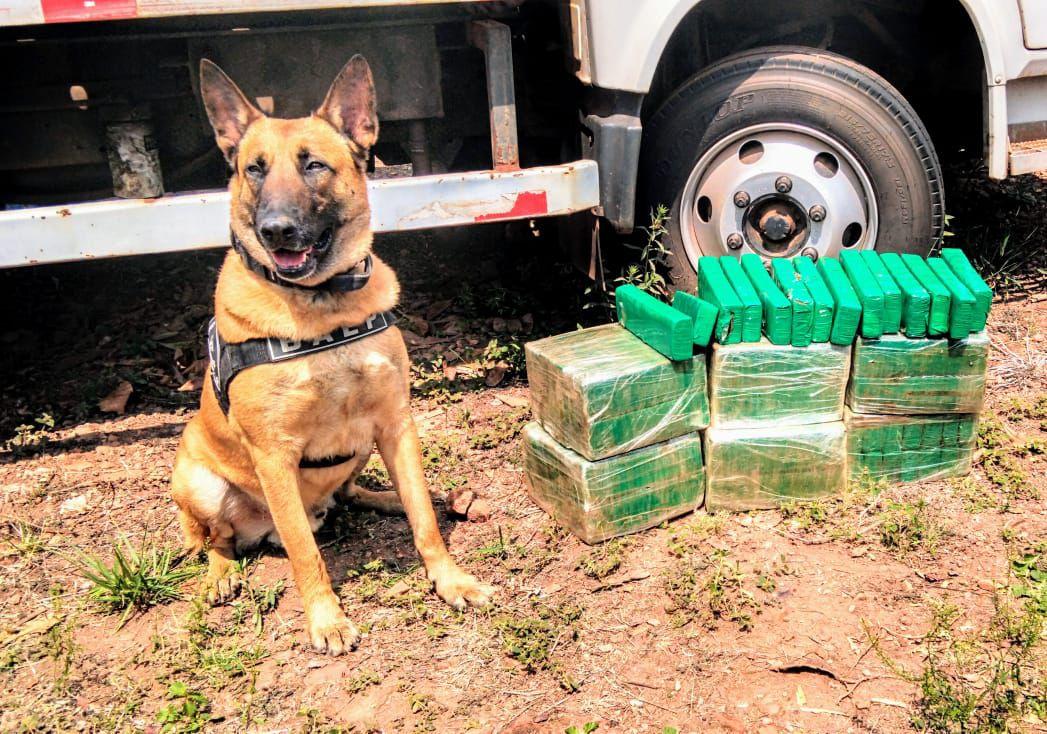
(765, 384)
(753, 469)
(896, 375)
(910, 448)
(597, 500)
(602, 391)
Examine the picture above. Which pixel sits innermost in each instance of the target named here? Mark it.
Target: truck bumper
(195, 221)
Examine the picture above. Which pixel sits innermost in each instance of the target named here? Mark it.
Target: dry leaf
(116, 401)
(801, 697)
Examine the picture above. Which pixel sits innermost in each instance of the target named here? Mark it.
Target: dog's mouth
(301, 262)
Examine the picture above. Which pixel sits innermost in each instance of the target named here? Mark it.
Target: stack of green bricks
(767, 385)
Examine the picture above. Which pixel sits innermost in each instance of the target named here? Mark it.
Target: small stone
(479, 511)
(74, 505)
(459, 499)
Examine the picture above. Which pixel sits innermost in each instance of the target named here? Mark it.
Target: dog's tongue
(290, 258)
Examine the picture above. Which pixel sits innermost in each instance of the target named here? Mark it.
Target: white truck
(772, 126)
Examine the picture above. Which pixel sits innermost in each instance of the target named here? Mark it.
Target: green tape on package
(961, 300)
(892, 294)
(777, 311)
(896, 375)
(963, 269)
(602, 391)
(597, 500)
(789, 281)
(752, 308)
(658, 324)
(916, 301)
(848, 309)
(941, 301)
(714, 287)
(753, 469)
(702, 313)
(870, 295)
(910, 448)
(752, 385)
(824, 304)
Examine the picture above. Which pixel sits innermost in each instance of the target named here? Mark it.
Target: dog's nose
(278, 230)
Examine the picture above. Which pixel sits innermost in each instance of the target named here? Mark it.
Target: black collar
(350, 280)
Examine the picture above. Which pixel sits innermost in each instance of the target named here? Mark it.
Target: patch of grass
(44, 637)
(256, 601)
(425, 710)
(25, 539)
(587, 728)
(1029, 570)
(684, 539)
(909, 527)
(139, 578)
(218, 658)
(604, 559)
(188, 710)
(711, 590)
(533, 640)
(362, 681)
(31, 438)
(806, 515)
(1034, 408)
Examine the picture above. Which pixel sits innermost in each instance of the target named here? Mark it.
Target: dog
(268, 449)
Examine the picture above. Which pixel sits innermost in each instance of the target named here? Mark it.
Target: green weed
(187, 712)
(908, 527)
(604, 559)
(533, 640)
(587, 728)
(652, 259)
(710, 590)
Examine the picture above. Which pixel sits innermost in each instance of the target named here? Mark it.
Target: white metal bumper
(119, 227)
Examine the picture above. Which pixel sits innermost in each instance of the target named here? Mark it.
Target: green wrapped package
(777, 311)
(961, 300)
(702, 313)
(822, 323)
(597, 500)
(982, 293)
(752, 385)
(848, 312)
(870, 295)
(892, 294)
(602, 391)
(714, 287)
(916, 301)
(900, 376)
(789, 281)
(753, 469)
(657, 324)
(910, 448)
(752, 308)
(938, 317)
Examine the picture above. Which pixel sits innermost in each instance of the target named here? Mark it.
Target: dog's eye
(254, 169)
(316, 166)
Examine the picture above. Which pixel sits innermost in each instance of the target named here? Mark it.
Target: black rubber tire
(806, 86)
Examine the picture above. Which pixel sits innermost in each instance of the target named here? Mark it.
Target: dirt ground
(824, 618)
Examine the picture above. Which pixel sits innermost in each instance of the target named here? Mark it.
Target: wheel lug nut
(810, 252)
(816, 213)
(741, 199)
(783, 184)
(734, 241)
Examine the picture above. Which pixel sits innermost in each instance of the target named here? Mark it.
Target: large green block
(791, 283)
(869, 292)
(657, 324)
(597, 500)
(752, 385)
(602, 391)
(702, 313)
(963, 269)
(848, 311)
(896, 375)
(916, 301)
(714, 287)
(941, 301)
(752, 308)
(892, 294)
(752, 469)
(824, 304)
(777, 311)
(901, 448)
(961, 300)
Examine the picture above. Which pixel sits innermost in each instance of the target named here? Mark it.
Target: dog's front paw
(330, 630)
(221, 589)
(460, 589)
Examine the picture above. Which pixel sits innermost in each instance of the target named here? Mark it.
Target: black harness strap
(228, 360)
(341, 283)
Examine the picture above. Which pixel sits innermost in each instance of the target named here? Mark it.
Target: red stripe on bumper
(527, 204)
(71, 11)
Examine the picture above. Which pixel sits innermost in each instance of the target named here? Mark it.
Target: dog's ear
(227, 108)
(350, 103)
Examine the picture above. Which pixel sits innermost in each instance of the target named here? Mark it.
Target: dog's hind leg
(387, 502)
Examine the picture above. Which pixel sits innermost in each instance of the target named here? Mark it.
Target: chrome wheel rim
(778, 190)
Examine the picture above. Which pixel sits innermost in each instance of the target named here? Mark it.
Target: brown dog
(300, 222)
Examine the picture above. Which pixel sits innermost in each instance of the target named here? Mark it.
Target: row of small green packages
(738, 470)
(800, 302)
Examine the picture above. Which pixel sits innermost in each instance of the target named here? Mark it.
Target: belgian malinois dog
(267, 450)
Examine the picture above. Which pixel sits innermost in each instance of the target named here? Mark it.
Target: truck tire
(786, 151)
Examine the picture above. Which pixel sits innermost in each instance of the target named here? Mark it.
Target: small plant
(604, 559)
(364, 680)
(26, 539)
(707, 592)
(187, 712)
(32, 437)
(806, 515)
(907, 527)
(587, 728)
(137, 579)
(1029, 570)
(646, 273)
(533, 640)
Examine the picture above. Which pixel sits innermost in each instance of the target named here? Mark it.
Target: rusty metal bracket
(495, 41)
